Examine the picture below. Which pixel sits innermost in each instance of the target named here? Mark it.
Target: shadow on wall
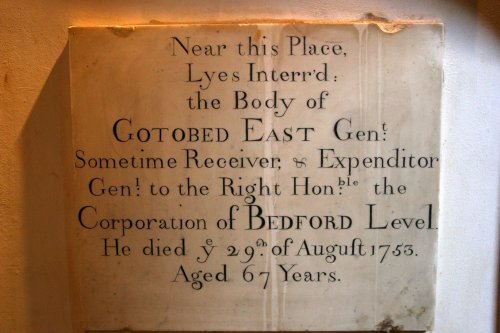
(43, 140)
(489, 13)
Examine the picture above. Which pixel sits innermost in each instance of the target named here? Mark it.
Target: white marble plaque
(255, 176)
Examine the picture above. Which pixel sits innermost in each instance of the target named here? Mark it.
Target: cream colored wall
(34, 105)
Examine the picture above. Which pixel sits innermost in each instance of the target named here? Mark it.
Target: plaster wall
(34, 148)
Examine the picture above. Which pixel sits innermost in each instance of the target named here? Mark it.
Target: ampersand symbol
(300, 163)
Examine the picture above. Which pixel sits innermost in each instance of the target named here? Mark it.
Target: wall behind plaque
(34, 118)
